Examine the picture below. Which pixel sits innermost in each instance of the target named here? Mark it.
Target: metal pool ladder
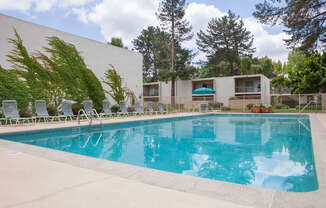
(88, 117)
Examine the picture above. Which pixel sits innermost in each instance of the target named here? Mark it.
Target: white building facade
(97, 55)
(233, 91)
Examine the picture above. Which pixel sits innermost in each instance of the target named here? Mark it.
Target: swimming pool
(269, 151)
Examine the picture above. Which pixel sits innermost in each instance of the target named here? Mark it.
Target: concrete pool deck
(32, 176)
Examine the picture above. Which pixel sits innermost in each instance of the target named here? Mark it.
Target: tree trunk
(172, 57)
(232, 68)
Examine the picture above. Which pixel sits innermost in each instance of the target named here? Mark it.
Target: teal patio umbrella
(203, 91)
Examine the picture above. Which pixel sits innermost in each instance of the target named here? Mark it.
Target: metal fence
(282, 103)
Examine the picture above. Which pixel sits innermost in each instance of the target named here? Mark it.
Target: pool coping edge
(236, 193)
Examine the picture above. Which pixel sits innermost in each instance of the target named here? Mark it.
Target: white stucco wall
(165, 92)
(265, 90)
(183, 91)
(224, 89)
(97, 55)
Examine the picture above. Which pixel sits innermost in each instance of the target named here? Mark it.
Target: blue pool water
(269, 151)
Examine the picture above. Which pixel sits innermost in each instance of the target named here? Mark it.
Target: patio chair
(66, 108)
(106, 111)
(123, 109)
(88, 108)
(10, 111)
(150, 109)
(161, 108)
(42, 112)
(138, 108)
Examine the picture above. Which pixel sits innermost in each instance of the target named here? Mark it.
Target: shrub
(225, 108)
(12, 88)
(52, 110)
(115, 108)
(131, 109)
(25, 113)
(215, 106)
(281, 106)
(249, 106)
(76, 107)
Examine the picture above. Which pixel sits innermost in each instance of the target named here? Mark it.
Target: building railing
(287, 103)
(247, 89)
(150, 95)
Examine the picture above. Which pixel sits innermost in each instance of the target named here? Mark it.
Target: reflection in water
(266, 151)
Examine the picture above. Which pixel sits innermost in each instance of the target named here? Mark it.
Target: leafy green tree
(307, 75)
(279, 82)
(11, 88)
(115, 82)
(245, 65)
(183, 68)
(117, 42)
(305, 20)
(279, 68)
(37, 78)
(154, 44)
(227, 39)
(219, 69)
(256, 65)
(267, 67)
(296, 59)
(78, 81)
(171, 15)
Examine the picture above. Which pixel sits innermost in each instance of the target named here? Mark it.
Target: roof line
(127, 50)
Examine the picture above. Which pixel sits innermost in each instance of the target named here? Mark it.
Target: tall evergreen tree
(171, 15)
(154, 44)
(226, 39)
(305, 20)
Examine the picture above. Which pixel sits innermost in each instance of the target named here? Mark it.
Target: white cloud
(68, 3)
(199, 15)
(266, 44)
(39, 5)
(20, 5)
(44, 5)
(124, 19)
(271, 45)
(81, 14)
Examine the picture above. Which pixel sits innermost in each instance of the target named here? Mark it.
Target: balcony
(242, 89)
(151, 94)
(151, 90)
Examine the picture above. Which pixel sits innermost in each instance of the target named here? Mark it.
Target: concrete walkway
(32, 182)
(37, 177)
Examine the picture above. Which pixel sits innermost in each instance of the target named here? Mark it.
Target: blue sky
(102, 19)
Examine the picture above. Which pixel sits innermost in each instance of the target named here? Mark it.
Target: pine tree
(226, 39)
(154, 44)
(305, 20)
(171, 15)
